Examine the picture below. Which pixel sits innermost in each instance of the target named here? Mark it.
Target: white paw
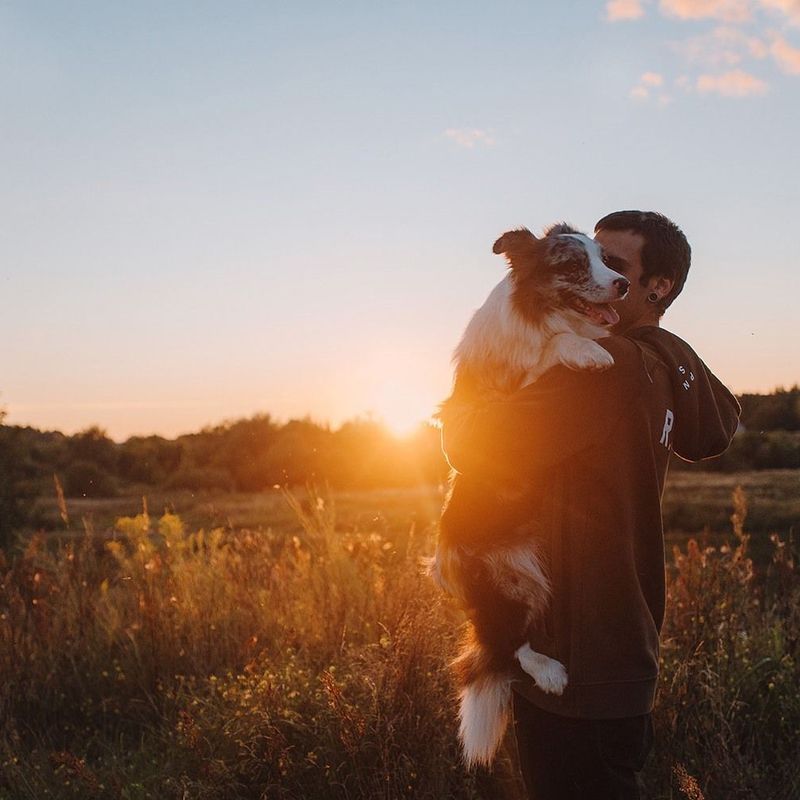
(550, 675)
(589, 356)
(552, 679)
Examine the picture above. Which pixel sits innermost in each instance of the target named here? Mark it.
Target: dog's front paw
(588, 355)
(552, 679)
(550, 675)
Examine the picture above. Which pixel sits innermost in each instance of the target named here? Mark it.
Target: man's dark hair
(665, 251)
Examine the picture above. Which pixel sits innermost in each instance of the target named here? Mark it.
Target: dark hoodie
(594, 448)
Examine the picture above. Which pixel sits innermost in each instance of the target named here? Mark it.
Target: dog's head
(561, 271)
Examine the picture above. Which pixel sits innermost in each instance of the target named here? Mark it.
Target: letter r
(668, 420)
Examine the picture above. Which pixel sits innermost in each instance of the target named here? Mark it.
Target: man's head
(652, 252)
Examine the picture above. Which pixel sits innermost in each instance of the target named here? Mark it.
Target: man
(595, 448)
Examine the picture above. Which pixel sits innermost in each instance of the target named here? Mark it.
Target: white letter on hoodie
(668, 420)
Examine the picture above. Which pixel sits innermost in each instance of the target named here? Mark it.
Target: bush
(16, 486)
(87, 479)
(148, 459)
(93, 445)
(777, 411)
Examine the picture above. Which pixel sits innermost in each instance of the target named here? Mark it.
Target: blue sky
(211, 209)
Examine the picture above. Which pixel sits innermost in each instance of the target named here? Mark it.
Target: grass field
(693, 501)
(265, 646)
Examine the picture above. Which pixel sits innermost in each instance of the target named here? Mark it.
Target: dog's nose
(622, 285)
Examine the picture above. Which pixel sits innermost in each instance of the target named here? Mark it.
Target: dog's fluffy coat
(547, 310)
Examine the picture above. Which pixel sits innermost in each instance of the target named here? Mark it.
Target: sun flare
(403, 424)
(401, 413)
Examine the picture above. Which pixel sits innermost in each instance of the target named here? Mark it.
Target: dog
(549, 309)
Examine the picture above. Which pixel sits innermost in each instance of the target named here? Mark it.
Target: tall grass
(226, 664)
(728, 711)
(163, 663)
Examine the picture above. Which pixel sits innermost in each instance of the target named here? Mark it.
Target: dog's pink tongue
(609, 314)
(603, 314)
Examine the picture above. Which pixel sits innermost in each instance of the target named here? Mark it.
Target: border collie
(548, 309)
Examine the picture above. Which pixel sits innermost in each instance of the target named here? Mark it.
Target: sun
(401, 424)
(402, 414)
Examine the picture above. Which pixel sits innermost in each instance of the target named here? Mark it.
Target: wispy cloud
(738, 34)
(652, 79)
(469, 137)
(620, 10)
(787, 57)
(724, 10)
(650, 86)
(724, 46)
(789, 8)
(736, 83)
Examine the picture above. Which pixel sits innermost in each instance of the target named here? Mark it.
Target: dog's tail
(485, 702)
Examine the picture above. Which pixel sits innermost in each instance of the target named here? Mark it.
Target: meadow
(694, 501)
(289, 645)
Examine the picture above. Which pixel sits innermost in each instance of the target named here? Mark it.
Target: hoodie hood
(706, 414)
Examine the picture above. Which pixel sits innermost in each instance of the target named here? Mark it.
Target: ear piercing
(653, 297)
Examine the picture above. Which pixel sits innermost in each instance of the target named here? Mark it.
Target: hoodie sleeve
(706, 413)
(544, 423)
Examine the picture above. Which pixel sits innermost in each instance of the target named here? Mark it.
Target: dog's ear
(518, 246)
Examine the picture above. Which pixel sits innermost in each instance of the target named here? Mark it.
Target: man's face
(623, 253)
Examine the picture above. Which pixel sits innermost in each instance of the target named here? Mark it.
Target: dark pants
(580, 759)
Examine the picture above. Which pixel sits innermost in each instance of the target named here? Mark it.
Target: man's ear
(518, 246)
(661, 285)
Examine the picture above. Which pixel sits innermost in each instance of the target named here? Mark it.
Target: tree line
(251, 454)
(769, 435)
(244, 455)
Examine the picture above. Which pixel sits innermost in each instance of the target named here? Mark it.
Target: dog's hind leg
(550, 675)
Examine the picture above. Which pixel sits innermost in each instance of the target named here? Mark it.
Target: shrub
(93, 445)
(87, 479)
(16, 487)
(148, 459)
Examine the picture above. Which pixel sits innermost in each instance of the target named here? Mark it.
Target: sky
(214, 209)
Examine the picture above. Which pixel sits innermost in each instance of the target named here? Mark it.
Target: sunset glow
(290, 210)
(403, 420)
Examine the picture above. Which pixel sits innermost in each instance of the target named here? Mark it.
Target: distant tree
(358, 454)
(48, 451)
(16, 485)
(779, 411)
(298, 453)
(364, 454)
(93, 445)
(244, 451)
(148, 459)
